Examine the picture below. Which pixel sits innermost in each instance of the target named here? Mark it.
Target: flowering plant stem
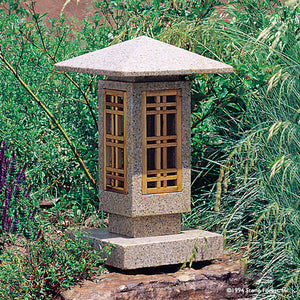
(40, 103)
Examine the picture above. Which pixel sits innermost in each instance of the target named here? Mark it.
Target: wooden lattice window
(161, 141)
(114, 127)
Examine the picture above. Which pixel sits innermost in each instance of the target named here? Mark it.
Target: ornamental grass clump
(16, 215)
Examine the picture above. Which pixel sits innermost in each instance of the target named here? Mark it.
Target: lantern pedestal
(134, 253)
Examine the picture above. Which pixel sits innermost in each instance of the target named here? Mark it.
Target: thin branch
(38, 101)
(46, 68)
(21, 52)
(57, 179)
(60, 41)
(111, 11)
(6, 51)
(214, 105)
(87, 102)
(35, 17)
(63, 95)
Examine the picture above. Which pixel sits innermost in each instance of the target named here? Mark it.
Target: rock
(48, 203)
(219, 280)
(92, 221)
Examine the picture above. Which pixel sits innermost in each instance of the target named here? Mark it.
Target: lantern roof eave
(142, 57)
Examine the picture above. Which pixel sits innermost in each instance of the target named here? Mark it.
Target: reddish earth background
(83, 9)
(54, 7)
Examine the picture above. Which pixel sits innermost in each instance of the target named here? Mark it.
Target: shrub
(45, 267)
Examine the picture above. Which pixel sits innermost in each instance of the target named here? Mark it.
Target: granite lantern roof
(140, 57)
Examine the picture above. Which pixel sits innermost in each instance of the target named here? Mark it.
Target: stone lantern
(144, 151)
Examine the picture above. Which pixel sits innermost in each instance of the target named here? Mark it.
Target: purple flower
(31, 217)
(16, 222)
(4, 216)
(11, 189)
(27, 193)
(19, 180)
(2, 160)
(17, 192)
(8, 193)
(13, 167)
(2, 153)
(8, 224)
(37, 236)
(4, 169)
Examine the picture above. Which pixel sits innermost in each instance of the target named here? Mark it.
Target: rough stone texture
(145, 226)
(142, 56)
(48, 203)
(134, 253)
(218, 281)
(134, 203)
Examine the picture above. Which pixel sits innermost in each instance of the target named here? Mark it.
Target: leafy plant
(128, 19)
(47, 266)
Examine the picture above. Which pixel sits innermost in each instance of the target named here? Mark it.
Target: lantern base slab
(143, 252)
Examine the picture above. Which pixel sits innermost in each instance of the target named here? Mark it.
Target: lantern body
(144, 152)
(168, 161)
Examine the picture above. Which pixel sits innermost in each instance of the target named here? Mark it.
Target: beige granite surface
(134, 203)
(145, 226)
(133, 253)
(142, 56)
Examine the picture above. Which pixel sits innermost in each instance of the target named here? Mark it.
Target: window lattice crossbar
(115, 152)
(161, 141)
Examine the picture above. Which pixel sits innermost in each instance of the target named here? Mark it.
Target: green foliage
(32, 49)
(47, 266)
(13, 7)
(254, 199)
(128, 19)
(245, 126)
